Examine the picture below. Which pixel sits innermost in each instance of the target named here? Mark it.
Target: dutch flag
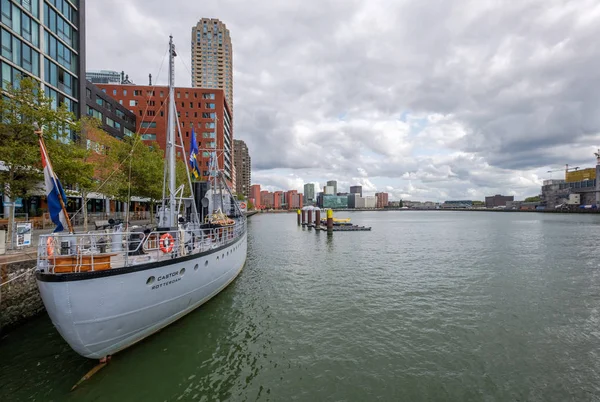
(53, 191)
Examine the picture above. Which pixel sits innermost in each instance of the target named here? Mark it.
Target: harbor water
(428, 306)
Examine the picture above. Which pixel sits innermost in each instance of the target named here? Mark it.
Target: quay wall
(19, 299)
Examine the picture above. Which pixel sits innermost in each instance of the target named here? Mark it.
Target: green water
(440, 306)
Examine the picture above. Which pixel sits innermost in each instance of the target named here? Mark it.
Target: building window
(88, 93)
(99, 101)
(149, 137)
(210, 105)
(148, 124)
(133, 103)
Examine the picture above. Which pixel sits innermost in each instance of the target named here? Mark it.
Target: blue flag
(193, 155)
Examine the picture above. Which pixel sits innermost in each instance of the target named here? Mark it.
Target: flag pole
(40, 135)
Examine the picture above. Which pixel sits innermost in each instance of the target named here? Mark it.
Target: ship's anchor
(103, 362)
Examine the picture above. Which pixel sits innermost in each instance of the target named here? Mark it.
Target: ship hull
(100, 313)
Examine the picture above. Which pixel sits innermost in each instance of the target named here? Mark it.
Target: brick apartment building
(382, 200)
(197, 108)
(255, 195)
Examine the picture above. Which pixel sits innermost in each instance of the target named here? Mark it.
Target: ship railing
(96, 251)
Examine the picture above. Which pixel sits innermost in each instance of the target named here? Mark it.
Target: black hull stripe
(79, 276)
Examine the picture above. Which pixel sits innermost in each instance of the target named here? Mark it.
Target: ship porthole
(196, 267)
(223, 256)
(228, 253)
(217, 258)
(182, 271)
(150, 281)
(206, 263)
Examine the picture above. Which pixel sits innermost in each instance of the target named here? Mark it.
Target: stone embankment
(19, 295)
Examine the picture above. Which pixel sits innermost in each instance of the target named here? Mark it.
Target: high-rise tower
(241, 160)
(212, 57)
(53, 53)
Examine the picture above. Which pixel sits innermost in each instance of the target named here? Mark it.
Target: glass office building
(45, 39)
(335, 201)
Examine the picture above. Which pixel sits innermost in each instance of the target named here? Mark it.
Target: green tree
(25, 106)
(533, 199)
(401, 204)
(19, 146)
(95, 145)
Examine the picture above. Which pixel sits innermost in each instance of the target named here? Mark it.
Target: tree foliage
(139, 169)
(533, 199)
(20, 109)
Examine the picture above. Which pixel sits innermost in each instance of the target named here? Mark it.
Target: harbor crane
(566, 169)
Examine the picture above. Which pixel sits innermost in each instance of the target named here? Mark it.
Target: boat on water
(106, 290)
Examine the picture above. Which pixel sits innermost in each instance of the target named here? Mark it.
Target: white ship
(105, 291)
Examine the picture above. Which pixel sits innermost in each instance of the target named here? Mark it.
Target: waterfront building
(333, 183)
(255, 195)
(319, 199)
(115, 118)
(204, 110)
(309, 193)
(356, 190)
(278, 200)
(457, 204)
(212, 57)
(104, 77)
(382, 200)
(243, 167)
(45, 40)
(328, 190)
(352, 199)
(498, 200)
(370, 201)
(293, 199)
(266, 199)
(335, 201)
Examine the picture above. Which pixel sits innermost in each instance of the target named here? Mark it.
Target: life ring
(166, 243)
(49, 246)
(243, 205)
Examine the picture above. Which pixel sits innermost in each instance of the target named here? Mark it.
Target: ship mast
(171, 135)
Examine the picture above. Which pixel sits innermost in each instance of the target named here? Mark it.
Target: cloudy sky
(425, 99)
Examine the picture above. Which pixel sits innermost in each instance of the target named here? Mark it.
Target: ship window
(217, 258)
(182, 272)
(206, 263)
(223, 256)
(196, 267)
(150, 281)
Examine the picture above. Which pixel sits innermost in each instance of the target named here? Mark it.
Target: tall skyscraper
(243, 168)
(333, 183)
(212, 57)
(53, 53)
(309, 193)
(356, 190)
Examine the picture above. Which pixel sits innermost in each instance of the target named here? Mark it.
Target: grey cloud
(517, 82)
